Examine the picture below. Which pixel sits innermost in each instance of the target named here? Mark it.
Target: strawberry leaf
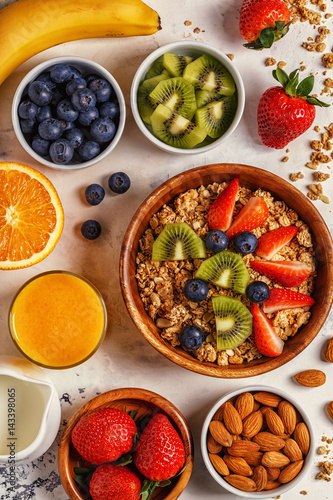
(305, 87)
(124, 460)
(266, 38)
(293, 74)
(269, 35)
(291, 86)
(316, 102)
(281, 76)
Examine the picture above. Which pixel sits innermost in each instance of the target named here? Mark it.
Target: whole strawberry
(285, 113)
(104, 435)
(112, 482)
(262, 22)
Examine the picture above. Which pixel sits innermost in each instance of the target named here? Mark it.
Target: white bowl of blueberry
(68, 113)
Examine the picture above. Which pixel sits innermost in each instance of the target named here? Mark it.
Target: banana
(29, 26)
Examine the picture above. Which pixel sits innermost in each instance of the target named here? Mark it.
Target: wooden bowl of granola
(149, 306)
(145, 403)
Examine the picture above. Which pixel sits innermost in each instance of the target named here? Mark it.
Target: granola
(161, 283)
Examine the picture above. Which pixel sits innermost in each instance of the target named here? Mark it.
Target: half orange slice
(31, 216)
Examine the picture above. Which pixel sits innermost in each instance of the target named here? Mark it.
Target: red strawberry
(270, 243)
(252, 215)
(284, 113)
(264, 334)
(114, 482)
(280, 299)
(285, 272)
(220, 212)
(262, 22)
(159, 454)
(104, 435)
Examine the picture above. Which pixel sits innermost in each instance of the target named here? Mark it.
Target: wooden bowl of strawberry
(284, 287)
(126, 444)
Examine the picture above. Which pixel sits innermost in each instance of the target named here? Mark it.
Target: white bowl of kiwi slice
(187, 97)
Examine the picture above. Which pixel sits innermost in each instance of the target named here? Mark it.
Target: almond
(268, 441)
(232, 419)
(244, 404)
(241, 482)
(311, 378)
(271, 485)
(329, 351)
(219, 413)
(329, 409)
(243, 448)
(238, 465)
(274, 422)
(292, 450)
(256, 406)
(254, 458)
(219, 464)
(272, 473)
(291, 471)
(220, 433)
(274, 459)
(287, 413)
(252, 424)
(212, 445)
(302, 437)
(260, 477)
(267, 399)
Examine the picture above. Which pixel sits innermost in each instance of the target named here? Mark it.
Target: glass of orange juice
(58, 319)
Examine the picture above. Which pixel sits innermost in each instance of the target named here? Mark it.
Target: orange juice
(58, 319)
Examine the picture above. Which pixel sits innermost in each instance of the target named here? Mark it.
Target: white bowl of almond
(257, 442)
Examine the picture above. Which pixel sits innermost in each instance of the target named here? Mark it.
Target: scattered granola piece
(270, 61)
(287, 150)
(320, 176)
(328, 60)
(321, 47)
(231, 56)
(329, 82)
(325, 199)
(294, 177)
(317, 128)
(327, 16)
(285, 158)
(316, 145)
(321, 450)
(281, 64)
(316, 189)
(312, 196)
(196, 30)
(188, 23)
(311, 165)
(303, 492)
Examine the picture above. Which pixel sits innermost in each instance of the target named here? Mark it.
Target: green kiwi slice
(156, 69)
(175, 64)
(174, 129)
(178, 241)
(233, 322)
(206, 73)
(225, 269)
(146, 105)
(216, 117)
(177, 94)
(204, 97)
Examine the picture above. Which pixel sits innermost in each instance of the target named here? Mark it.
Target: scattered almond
(244, 404)
(274, 459)
(311, 378)
(238, 465)
(290, 472)
(287, 413)
(267, 399)
(274, 422)
(220, 433)
(241, 482)
(302, 437)
(219, 464)
(260, 477)
(268, 441)
(329, 351)
(232, 419)
(329, 409)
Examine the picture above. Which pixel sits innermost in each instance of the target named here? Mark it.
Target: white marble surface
(125, 358)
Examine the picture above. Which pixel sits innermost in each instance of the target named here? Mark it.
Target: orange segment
(31, 216)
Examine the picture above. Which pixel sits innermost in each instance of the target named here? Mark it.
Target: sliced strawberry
(285, 272)
(280, 299)
(264, 334)
(221, 211)
(252, 215)
(270, 243)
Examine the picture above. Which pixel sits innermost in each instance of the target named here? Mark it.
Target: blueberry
(245, 242)
(40, 146)
(44, 113)
(191, 337)
(87, 117)
(257, 291)
(66, 125)
(60, 73)
(75, 73)
(94, 194)
(50, 129)
(195, 290)
(103, 130)
(40, 93)
(101, 88)
(28, 126)
(27, 110)
(45, 77)
(65, 111)
(109, 110)
(61, 151)
(77, 83)
(83, 99)
(216, 240)
(57, 97)
(75, 137)
(119, 182)
(92, 76)
(91, 229)
(88, 150)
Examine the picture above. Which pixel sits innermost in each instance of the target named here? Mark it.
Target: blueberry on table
(109, 110)
(83, 99)
(61, 151)
(94, 194)
(65, 111)
(257, 291)
(87, 117)
(27, 110)
(245, 242)
(40, 146)
(191, 337)
(75, 136)
(101, 88)
(40, 93)
(119, 182)
(50, 129)
(60, 73)
(88, 150)
(103, 130)
(216, 240)
(91, 229)
(195, 290)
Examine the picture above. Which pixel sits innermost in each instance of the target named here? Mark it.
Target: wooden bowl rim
(133, 302)
(114, 395)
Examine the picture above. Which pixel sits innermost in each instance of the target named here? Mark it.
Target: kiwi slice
(146, 105)
(156, 69)
(175, 64)
(178, 241)
(174, 129)
(204, 97)
(225, 269)
(177, 94)
(216, 116)
(233, 322)
(206, 73)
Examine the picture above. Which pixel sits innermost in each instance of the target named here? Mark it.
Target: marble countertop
(126, 359)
